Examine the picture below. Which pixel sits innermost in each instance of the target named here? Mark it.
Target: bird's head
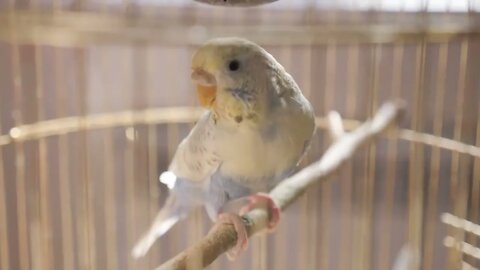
(232, 77)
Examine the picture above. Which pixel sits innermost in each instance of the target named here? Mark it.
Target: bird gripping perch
(344, 145)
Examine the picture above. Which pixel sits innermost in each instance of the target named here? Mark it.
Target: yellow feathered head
(233, 77)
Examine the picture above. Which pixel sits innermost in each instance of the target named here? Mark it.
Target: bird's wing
(193, 164)
(196, 159)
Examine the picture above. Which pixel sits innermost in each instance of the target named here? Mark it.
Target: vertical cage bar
(153, 184)
(255, 261)
(307, 205)
(306, 243)
(129, 160)
(83, 222)
(263, 253)
(63, 165)
(153, 163)
(139, 156)
(357, 192)
(371, 155)
(45, 216)
(173, 131)
(175, 237)
(23, 232)
(37, 222)
(4, 247)
(347, 183)
(326, 189)
(431, 208)
(110, 208)
(361, 237)
(110, 183)
(130, 198)
(173, 135)
(392, 155)
(280, 243)
(475, 193)
(415, 172)
(456, 183)
(304, 238)
(90, 193)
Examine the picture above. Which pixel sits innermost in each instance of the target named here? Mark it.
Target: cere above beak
(206, 87)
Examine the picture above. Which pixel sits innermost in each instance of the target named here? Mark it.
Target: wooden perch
(344, 145)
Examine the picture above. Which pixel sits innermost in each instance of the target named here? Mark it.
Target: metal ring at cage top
(171, 115)
(236, 3)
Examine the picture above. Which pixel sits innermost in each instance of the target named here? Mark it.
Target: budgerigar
(257, 127)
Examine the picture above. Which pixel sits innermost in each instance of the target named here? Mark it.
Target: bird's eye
(233, 65)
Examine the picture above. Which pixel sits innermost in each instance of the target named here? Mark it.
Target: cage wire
(95, 97)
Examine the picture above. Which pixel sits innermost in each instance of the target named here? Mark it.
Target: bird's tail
(171, 213)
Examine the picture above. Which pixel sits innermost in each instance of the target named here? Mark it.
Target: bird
(256, 129)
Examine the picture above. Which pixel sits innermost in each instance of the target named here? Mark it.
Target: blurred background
(95, 96)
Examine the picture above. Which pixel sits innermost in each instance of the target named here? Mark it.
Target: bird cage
(95, 97)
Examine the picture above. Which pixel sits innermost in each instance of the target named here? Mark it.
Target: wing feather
(196, 158)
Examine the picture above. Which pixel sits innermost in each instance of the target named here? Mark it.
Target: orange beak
(206, 87)
(206, 94)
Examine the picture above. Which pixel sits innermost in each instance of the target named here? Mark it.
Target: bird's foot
(259, 199)
(263, 199)
(242, 236)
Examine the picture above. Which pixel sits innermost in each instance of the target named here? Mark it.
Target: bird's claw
(242, 236)
(263, 199)
(259, 199)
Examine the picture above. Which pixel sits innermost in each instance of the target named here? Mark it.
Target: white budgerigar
(257, 128)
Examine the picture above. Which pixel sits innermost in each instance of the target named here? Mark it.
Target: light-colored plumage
(255, 132)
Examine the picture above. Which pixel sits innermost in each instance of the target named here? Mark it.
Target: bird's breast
(258, 155)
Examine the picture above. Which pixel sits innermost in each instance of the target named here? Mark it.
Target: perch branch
(344, 145)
